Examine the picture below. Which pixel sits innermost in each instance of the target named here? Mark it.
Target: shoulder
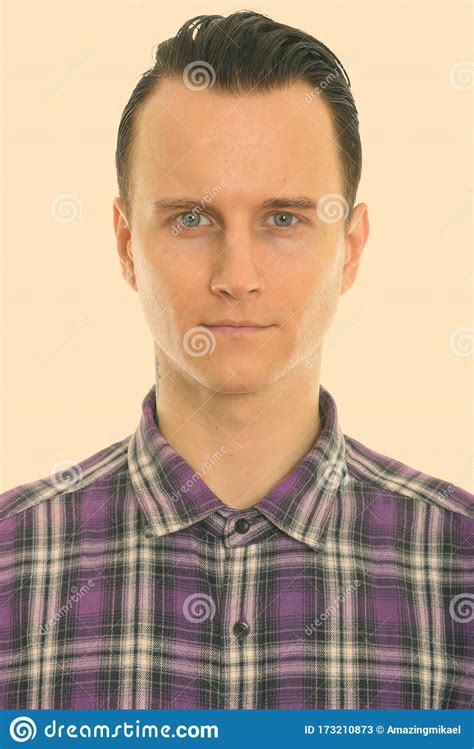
(395, 479)
(66, 477)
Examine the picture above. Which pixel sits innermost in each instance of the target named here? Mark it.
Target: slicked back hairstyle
(249, 52)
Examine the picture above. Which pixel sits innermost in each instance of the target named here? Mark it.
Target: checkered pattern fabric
(126, 583)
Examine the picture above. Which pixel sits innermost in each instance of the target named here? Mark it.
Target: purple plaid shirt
(126, 583)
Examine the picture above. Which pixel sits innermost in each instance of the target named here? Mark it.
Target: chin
(243, 381)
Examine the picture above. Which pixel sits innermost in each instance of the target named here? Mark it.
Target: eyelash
(275, 213)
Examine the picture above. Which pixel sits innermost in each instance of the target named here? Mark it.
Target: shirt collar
(173, 496)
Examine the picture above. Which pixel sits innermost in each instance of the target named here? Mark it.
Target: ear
(123, 237)
(354, 243)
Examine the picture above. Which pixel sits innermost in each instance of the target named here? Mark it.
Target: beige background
(77, 356)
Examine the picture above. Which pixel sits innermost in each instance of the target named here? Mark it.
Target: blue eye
(191, 219)
(285, 217)
(194, 219)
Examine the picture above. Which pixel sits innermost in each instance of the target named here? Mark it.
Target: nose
(236, 271)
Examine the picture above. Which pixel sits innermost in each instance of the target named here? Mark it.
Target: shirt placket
(239, 654)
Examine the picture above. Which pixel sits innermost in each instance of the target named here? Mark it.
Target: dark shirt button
(148, 532)
(242, 525)
(241, 629)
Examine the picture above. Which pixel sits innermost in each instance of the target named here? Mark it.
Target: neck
(255, 438)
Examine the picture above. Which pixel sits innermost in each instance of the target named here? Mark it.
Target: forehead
(189, 139)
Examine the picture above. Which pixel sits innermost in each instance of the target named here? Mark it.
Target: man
(237, 550)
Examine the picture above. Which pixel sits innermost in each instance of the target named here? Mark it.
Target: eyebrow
(302, 202)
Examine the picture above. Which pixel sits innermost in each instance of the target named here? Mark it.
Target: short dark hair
(248, 51)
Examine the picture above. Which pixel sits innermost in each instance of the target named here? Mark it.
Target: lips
(235, 324)
(237, 330)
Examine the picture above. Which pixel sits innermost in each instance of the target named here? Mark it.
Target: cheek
(169, 290)
(155, 294)
(314, 308)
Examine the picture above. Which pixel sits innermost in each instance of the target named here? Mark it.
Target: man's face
(284, 267)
